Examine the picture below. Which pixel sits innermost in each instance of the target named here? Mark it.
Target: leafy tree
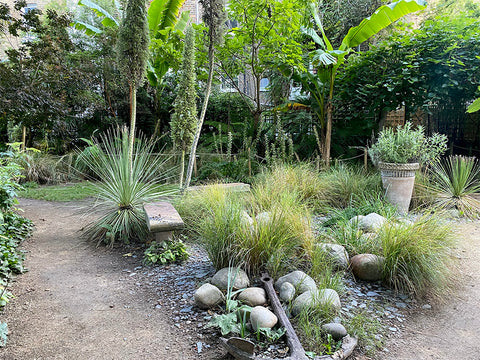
(184, 118)
(132, 50)
(266, 33)
(45, 82)
(214, 17)
(435, 68)
(328, 60)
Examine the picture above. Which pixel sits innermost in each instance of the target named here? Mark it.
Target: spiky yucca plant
(454, 181)
(124, 186)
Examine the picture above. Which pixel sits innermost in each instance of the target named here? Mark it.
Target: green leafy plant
(270, 334)
(164, 252)
(125, 185)
(406, 144)
(454, 181)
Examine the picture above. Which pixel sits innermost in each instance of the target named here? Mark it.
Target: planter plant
(398, 153)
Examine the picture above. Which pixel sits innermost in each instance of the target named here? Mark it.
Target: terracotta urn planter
(398, 181)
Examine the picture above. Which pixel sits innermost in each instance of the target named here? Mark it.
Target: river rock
(322, 297)
(263, 218)
(371, 222)
(367, 266)
(337, 254)
(337, 331)
(261, 317)
(220, 279)
(253, 296)
(208, 296)
(246, 219)
(301, 281)
(287, 292)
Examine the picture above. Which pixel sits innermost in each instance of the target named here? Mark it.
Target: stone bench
(162, 219)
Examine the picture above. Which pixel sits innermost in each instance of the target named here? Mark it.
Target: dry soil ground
(76, 303)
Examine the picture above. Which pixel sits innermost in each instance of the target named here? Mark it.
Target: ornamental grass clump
(454, 181)
(301, 179)
(124, 185)
(417, 256)
(407, 145)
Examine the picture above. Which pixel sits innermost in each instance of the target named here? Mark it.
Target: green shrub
(407, 145)
(417, 256)
(124, 186)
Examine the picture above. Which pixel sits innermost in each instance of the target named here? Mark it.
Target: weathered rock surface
(322, 297)
(253, 296)
(301, 281)
(367, 266)
(337, 331)
(263, 218)
(208, 296)
(261, 317)
(287, 292)
(238, 277)
(337, 254)
(369, 223)
(246, 219)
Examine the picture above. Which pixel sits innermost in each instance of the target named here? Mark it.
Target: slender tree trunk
(193, 150)
(328, 133)
(182, 167)
(133, 116)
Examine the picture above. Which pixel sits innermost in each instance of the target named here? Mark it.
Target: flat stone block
(236, 187)
(162, 216)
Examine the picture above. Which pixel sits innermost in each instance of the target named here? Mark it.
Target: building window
(29, 7)
(263, 84)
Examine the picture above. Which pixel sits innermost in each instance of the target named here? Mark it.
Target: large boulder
(261, 317)
(208, 296)
(369, 223)
(322, 297)
(367, 266)
(337, 254)
(337, 330)
(287, 292)
(253, 296)
(238, 278)
(301, 281)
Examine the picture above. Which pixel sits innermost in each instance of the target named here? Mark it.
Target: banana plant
(328, 60)
(475, 106)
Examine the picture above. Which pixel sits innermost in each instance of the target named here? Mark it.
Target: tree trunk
(182, 167)
(328, 133)
(193, 150)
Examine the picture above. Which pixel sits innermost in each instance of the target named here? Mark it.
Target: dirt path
(77, 303)
(452, 330)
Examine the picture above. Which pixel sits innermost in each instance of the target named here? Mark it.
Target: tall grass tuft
(454, 181)
(123, 187)
(345, 183)
(417, 256)
(301, 180)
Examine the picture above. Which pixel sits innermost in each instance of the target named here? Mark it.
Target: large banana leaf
(163, 14)
(383, 17)
(90, 30)
(107, 19)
